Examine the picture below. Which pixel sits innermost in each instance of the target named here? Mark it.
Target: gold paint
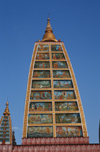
(42, 60)
(60, 124)
(77, 94)
(58, 60)
(6, 112)
(40, 100)
(28, 94)
(83, 124)
(41, 68)
(36, 89)
(1, 120)
(40, 112)
(48, 36)
(41, 78)
(48, 112)
(56, 51)
(10, 130)
(42, 52)
(63, 88)
(40, 125)
(66, 100)
(60, 69)
(53, 105)
(62, 79)
(69, 124)
(67, 111)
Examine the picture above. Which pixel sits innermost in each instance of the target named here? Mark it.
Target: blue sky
(77, 23)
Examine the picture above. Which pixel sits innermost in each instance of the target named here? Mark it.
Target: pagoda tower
(6, 127)
(53, 106)
(53, 118)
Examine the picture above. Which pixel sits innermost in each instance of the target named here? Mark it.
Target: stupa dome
(49, 36)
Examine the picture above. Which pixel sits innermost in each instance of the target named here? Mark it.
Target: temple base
(51, 148)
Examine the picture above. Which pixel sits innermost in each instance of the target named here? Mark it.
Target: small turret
(6, 127)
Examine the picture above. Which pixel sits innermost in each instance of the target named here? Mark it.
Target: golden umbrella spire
(6, 112)
(48, 28)
(49, 36)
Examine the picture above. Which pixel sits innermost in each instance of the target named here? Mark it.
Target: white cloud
(16, 128)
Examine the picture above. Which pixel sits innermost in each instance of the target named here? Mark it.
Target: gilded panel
(62, 84)
(43, 47)
(41, 74)
(61, 74)
(41, 84)
(58, 56)
(68, 118)
(40, 106)
(56, 48)
(68, 131)
(43, 56)
(66, 106)
(37, 95)
(40, 64)
(40, 118)
(64, 94)
(59, 64)
(39, 132)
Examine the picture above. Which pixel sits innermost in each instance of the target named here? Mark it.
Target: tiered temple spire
(6, 127)
(53, 106)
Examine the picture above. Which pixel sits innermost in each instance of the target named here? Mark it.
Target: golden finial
(48, 28)
(49, 36)
(6, 112)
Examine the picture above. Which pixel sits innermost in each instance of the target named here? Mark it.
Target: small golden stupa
(49, 36)
(6, 112)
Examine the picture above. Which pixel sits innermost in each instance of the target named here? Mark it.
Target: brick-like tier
(55, 141)
(51, 148)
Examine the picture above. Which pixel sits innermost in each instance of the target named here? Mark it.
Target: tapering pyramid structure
(53, 106)
(6, 127)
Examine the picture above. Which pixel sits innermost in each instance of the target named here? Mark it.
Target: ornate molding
(77, 93)
(10, 130)
(28, 92)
